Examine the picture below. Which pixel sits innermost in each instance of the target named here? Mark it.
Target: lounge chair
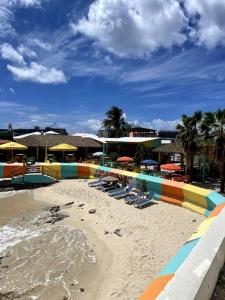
(131, 199)
(102, 185)
(94, 183)
(112, 187)
(144, 202)
(116, 191)
(124, 193)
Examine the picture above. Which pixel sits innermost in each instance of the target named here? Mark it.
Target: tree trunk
(191, 159)
(222, 178)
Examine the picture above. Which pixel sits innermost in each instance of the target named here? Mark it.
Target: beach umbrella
(63, 148)
(149, 162)
(170, 167)
(12, 146)
(125, 159)
(97, 154)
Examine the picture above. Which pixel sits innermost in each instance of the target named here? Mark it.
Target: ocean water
(40, 260)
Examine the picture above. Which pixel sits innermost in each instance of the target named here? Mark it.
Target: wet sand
(127, 262)
(45, 261)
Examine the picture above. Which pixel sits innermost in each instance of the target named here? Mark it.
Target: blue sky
(67, 62)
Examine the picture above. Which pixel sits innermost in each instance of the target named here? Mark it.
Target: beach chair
(116, 191)
(111, 188)
(124, 193)
(131, 199)
(94, 183)
(102, 185)
(144, 202)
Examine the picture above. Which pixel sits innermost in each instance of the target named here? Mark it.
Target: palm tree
(213, 132)
(115, 120)
(188, 138)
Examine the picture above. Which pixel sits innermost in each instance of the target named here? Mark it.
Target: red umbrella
(125, 159)
(170, 167)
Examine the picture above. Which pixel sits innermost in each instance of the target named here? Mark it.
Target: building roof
(52, 140)
(170, 148)
(142, 129)
(135, 140)
(130, 140)
(4, 141)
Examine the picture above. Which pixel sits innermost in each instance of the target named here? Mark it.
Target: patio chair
(131, 199)
(123, 193)
(116, 191)
(95, 183)
(102, 185)
(144, 202)
(112, 187)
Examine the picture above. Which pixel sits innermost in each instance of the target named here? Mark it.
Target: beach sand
(126, 264)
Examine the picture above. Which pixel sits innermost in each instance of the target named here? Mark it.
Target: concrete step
(33, 178)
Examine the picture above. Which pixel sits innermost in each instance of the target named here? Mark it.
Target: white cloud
(16, 107)
(26, 51)
(37, 73)
(40, 44)
(89, 125)
(9, 53)
(210, 29)
(158, 124)
(134, 27)
(7, 8)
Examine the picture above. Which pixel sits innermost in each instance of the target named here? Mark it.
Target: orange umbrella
(170, 167)
(125, 159)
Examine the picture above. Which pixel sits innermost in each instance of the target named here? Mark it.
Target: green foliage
(115, 119)
(143, 152)
(204, 133)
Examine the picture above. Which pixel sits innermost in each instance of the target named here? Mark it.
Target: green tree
(213, 135)
(115, 120)
(188, 137)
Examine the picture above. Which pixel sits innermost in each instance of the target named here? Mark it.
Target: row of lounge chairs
(139, 200)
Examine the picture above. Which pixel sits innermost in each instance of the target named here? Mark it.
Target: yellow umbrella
(12, 146)
(63, 148)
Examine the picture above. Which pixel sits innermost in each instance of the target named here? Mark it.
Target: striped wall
(202, 201)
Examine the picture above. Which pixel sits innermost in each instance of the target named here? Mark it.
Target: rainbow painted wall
(202, 201)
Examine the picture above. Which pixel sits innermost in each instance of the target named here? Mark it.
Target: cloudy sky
(67, 62)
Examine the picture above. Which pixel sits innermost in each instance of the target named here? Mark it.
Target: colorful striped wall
(202, 201)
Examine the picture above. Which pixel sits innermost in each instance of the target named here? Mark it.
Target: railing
(46, 170)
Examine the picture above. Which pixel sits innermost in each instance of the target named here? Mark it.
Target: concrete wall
(193, 271)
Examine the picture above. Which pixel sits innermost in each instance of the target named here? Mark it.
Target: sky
(64, 63)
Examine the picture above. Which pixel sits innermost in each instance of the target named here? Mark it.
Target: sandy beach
(126, 263)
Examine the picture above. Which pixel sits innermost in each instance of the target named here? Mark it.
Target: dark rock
(106, 232)
(117, 232)
(69, 203)
(54, 209)
(82, 220)
(65, 298)
(92, 211)
(81, 290)
(81, 205)
(194, 220)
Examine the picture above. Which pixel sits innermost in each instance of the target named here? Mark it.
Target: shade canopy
(149, 162)
(63, 147)
(12, 146)
(170, 167)
(97, 154)
(125, 159)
